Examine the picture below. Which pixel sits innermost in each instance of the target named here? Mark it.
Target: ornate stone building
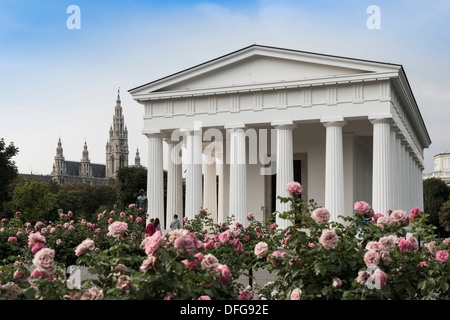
(117, 145)
(95, 174)
(441, 167)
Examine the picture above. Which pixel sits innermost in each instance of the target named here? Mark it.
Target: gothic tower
(59, 167)
(117, 145)
(85, 167)
(137, 159)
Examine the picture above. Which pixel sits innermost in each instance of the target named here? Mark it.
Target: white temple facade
(348, 130)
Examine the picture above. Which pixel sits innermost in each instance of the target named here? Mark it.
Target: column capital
(381, 118)
(151, 132)
(337, 121)
(239, 125)
(283, 124)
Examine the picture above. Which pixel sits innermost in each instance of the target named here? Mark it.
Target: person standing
(157, 225)
(175, 224)
(150, 230)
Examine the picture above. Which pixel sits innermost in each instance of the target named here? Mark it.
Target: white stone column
(398, 184)
(408, 186)
(155, 181)
(421, 168)
(394, 169)
(194, 192)
(404, 176)
(334, 168)
(238, 174)
(382, 167)
(285, 168)
(174, 182)
(210, 186)
(223, 171)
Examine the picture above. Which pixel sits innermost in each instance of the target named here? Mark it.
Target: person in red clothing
(150, 230)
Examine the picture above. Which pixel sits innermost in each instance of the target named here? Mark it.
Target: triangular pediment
(262, 65)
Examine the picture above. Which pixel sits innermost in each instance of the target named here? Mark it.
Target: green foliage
(129, 181)
(8, 170)
(444, 215)
(435, 193)
(33, 200)
(84, 199)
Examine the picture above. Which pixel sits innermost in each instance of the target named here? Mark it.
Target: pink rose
(387, 242)
(37, 247)
(408, 245)
(320, 215)
(44, 261)
(363, 276)
(400, 218)
(154, 244)
(249, 216)
(245, 295)
(329, 239)
(294, 188)
(237, 245)
(416, 214)
(190, 265)
(380, 279)
(274, 258)
(377, 215)
(186, 243)
(84, 247)
(442, 256)
(35, 238)
(363, 208)
(371, 258)
(12, 239)
(204, 298)
(296, 294)
(384, 222)
(225, 236)
(261, 249)
(93, 293)
(373, 245)
(208, 245)
(37, 274)
(150, 263)
(225, 273)
(209, 262)
(116, 229)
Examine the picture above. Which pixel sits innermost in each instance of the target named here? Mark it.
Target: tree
(33, 200)
(444, 216)
(8, 170)
(84, 200)
(129, 181)
(435, 193)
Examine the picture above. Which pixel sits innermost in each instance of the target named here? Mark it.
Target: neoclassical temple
(347, 129)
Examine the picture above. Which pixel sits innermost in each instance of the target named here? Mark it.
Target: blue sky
(57, 82)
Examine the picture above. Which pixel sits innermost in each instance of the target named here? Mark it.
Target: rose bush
(363, 256)
(366, 255)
